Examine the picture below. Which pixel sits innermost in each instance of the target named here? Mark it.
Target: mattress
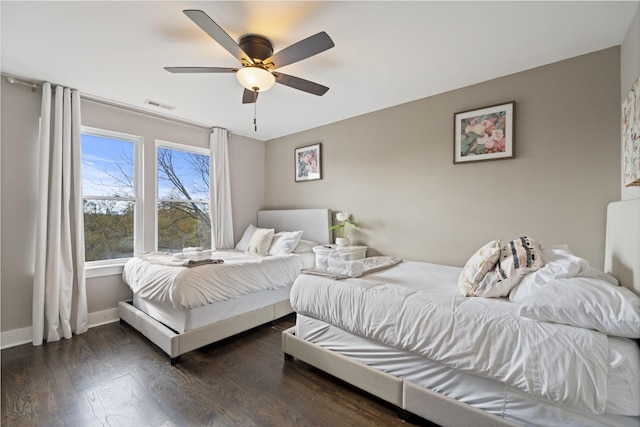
(185, 319)
(191, 287)
(484, 393)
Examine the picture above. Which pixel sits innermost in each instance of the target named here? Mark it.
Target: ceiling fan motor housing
(252, 50)
(256, 46)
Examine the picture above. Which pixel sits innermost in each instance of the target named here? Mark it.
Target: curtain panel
(220, 188)
(59, 285)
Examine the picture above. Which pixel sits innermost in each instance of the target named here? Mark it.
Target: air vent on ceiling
(159, 104)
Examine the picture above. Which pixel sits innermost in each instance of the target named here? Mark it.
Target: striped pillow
(517, 258)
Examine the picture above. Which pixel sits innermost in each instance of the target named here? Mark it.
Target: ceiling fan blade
(300, 84)
(300, 50)
(249, 96)
(200, 70)
(209, 26)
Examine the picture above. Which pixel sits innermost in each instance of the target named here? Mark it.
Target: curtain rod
(37, 85)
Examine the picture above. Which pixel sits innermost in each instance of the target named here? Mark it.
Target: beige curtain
(220, 188)
(59, 288)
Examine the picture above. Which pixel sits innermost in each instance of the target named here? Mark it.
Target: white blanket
(190, 287)
(417, 307)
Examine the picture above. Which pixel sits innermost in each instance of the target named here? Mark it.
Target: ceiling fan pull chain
(255, 109)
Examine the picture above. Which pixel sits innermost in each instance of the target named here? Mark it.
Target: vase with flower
(342, 229)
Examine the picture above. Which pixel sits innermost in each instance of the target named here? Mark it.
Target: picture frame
(486, 133)
(308, 163)
(631, 136)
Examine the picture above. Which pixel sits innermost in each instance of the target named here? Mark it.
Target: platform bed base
(176, 344)
(411, 399)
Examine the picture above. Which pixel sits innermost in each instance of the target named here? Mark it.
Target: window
(183, 218)
(110, 195)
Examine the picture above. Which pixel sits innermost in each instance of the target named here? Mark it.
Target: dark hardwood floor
(113, 376)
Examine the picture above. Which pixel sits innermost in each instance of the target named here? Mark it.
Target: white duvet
(190, 287)
(418, 307)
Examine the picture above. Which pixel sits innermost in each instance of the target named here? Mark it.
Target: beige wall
(20, 113)
(393, 169)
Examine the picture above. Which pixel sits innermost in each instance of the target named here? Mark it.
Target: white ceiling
(386, 53)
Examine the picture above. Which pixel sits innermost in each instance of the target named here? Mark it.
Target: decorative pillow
(243, 244)
(260, 241)
(284, 242)
(483, 260)
(559, 263)
(586, 303)
(305, 246)
(517, 258)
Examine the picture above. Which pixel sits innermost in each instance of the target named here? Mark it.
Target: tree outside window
(109, 194)
(183, 199)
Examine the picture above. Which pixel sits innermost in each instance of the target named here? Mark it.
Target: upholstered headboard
(314, 222)
(622, 245)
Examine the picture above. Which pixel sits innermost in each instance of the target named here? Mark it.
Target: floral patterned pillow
(480, 263)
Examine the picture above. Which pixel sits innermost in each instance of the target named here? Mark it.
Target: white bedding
(480, 336)
(492, 396)
(191, 287)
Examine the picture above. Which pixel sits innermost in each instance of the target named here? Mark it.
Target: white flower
(342, 229)
(342, 216)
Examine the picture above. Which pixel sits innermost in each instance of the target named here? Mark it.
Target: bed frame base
(412, 400)
(175, 344)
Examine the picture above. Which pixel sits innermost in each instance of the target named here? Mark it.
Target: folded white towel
(169, 260)
(192, 249)
(322, 262)
(193, 255)
(351, 272)
(348, 268)
(339, 263)
(353, 268)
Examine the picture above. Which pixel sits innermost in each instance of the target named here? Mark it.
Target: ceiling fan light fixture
(255, 78)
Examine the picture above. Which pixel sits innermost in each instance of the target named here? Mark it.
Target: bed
(185, 301)
(436, 368)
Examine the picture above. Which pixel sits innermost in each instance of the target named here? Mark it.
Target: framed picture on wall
(631, 136)
(484, 133)
(308, 163)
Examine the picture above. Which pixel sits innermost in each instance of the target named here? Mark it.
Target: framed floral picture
(485, 133)
(308, 163)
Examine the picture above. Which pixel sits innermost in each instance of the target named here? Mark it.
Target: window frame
(159, 143)
(114, 266)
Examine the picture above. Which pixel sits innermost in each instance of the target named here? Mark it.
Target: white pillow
(305, 246)
(586, 303)
(260, 242)
(243, 244)
(559, 263)
(483, 260)
(284, 242)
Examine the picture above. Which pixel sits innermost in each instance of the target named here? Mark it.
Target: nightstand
(351, 253)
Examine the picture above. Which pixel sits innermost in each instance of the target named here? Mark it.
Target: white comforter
(190, 287)
(417, 307)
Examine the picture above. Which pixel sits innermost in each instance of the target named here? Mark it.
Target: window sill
(114, 269)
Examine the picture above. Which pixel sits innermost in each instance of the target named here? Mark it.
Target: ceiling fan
(255, 52)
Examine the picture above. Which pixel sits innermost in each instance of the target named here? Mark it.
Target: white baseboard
(21, 336)
(103, 317)
(16, 337)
